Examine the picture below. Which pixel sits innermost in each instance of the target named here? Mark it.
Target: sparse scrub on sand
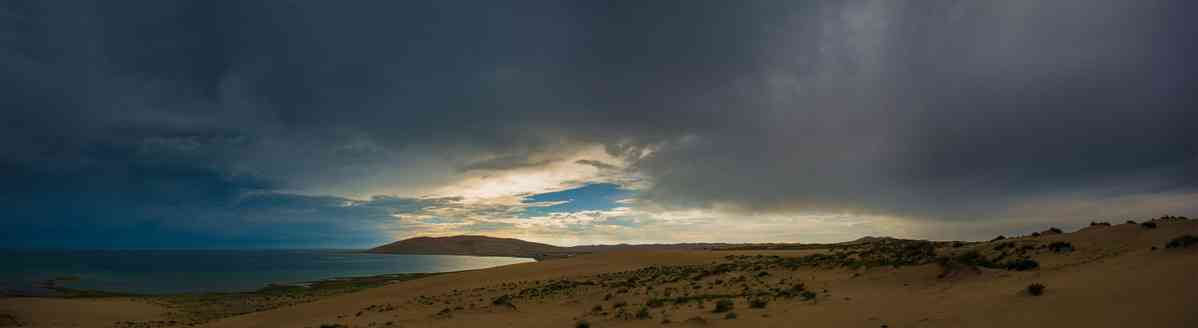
(1055, 230)
(730, 316)
(882, 252)
(582, 324)
(1035, 289)
(1183, 241)
(1148, 225)
(723, 305)
(794, 290)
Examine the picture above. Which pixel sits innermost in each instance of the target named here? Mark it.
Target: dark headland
(510, 247)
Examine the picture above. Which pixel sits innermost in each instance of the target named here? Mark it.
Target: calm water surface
(178, 271)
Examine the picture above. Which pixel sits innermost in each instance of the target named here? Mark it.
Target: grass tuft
(1035, 289)
(724, 305)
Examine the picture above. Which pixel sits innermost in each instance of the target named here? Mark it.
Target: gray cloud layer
(930, 109)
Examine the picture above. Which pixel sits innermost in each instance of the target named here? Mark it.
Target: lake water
(179, 271)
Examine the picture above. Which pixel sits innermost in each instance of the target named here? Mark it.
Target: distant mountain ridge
(474, 245)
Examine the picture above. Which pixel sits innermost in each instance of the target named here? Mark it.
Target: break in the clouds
(314, 123)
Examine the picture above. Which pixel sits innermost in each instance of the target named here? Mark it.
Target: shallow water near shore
(194, 271)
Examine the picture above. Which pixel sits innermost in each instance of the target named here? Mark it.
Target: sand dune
(1106, 277)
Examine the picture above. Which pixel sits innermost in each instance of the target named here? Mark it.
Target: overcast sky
(230, 123)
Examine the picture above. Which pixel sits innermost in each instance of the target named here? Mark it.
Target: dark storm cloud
(505, 163)
(596, 164)
(954, 110)
(939, 109)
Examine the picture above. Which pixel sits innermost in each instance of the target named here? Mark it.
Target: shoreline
(100, 279)
(53, 289)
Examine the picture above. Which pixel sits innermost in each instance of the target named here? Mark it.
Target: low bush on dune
(723, 305)
(643, 314)
(1022, 264)
(970, 258)
(1060, 247)
(656, 303)
(1131, 222)
(730, 316)
(807, 295)
(333, 325)
(1035, 289)
(758, 303)
(7, 320)
(503, 300)
(1025, 249)
(1100, 224)
(951, 267)
(1000, 237)
(1148, 225)
(582, 324)
(1183, 241)
(1055, 230)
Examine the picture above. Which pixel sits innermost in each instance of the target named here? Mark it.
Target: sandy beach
(1109, 276)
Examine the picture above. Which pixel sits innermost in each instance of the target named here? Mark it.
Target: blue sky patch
(589, 197)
